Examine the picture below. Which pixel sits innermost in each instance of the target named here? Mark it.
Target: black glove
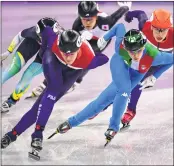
(128, 17)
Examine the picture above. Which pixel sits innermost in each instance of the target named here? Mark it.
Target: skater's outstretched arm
(139, 14)
(48, 37)
(161, 70)
(117, 30)
(99, 60)
(114, 17)
(160, 58)
(16, 40)
(77, 25)
(163, 58)
(20, 36)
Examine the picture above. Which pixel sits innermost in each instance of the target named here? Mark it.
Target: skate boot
(8, 139)
(110, 133)
(62, 128)
(75, 85)
(36, 145)
(6, 105)
(36, 92)
(127, 117)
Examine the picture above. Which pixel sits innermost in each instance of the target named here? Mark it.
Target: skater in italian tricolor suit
(159, 32)
(131, 61)
(94, 23)
(63, 57)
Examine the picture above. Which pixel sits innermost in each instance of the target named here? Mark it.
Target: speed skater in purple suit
(64, 57)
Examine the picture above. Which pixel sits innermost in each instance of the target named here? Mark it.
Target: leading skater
(132, 59)
(159, 32)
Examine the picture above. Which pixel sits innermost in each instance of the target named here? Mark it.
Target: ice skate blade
(125, 128)
(107, 142)
(33, 156)
(31, 97)
(5, 112)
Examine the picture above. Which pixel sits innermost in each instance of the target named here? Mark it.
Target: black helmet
(42, 23)
(69, 41)
(87, 9)
(134, 40)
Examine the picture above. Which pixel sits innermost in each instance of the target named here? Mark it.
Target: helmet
(69, 41)
(161, 19)
(134, 40)
(42, 23)
(87, 9)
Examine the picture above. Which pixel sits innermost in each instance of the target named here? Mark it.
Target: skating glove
(128, 17)
(86, 35)
(128, 4)
(101, 43)
(148, 82)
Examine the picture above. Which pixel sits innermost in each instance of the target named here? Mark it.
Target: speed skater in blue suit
(132, 59)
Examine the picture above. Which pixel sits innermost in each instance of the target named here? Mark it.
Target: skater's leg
(122, 83)
(28, 119)
(17, 63)
(94, 107)
(33, 70)
(58, 84)
(136, 93)
(36, 92)
(26, 50)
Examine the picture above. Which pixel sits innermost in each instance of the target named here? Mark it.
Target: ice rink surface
(149, 141)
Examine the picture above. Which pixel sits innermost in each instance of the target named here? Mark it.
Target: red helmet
(161, 19)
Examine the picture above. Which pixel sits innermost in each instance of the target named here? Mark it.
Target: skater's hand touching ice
(148, 82)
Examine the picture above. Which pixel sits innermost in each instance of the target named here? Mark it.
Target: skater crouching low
(64, 57)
